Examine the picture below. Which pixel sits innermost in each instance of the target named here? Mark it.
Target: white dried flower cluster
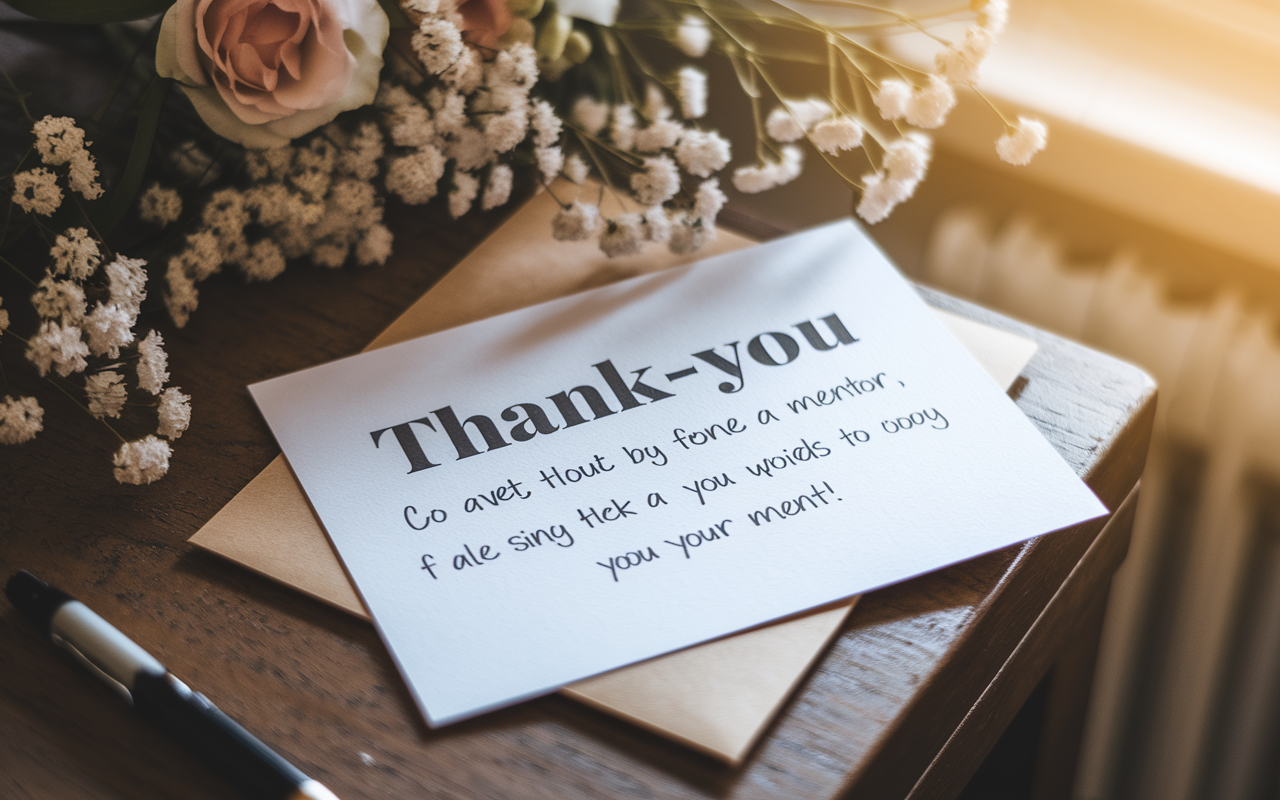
(664, 158)
(21, 418)
(769, 174)
(36, 191)
(925, 107)
(904, 165)
(693, 37)
(143, 461)
(959, 63)
(61, 144)
(1026, 139)
(160, 206)
(107, 393)
(793, 119)
(466, 123)
(314, 200)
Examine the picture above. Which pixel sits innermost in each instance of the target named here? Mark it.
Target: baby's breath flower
(202, 256)
(505, 131)
(550, 162)
(109, 327)
(438, 44)
(465, 188)
(414, 177)
(702, 152)
(879, 195)
(143, 461)
(497, 190)
(61, 300)
(759, 178)
(994, 16)
(692, 92)
(127, 281)
(330, 253)
(840, 133)
(360, 157)
(106, 394)
(623, 236)
(1026, 139)
(708, 201)
(37, 191)
(546, 124)
(265, 261)
(83, 176)
(892, 98)
(515, 66)
(693, 37)
(930, 105)
(658, 183)
(960, 63)
(661, 135)
(182, 297)
(622, 126)
(411, 126)
(576, 168)
(58, 347)
(466, 74)
(58, 140)
(657, 225)
(655, 103)
(688, 236)
(21, 418)
(576, 223)
(907, 159)
(792, 120)
(374, 246)
(153, 363)
(75, 253)
(159, 205)
(590, 114)
(175, 413)
(312, 168)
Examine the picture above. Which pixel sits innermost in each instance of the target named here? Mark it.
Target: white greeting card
(559, 491)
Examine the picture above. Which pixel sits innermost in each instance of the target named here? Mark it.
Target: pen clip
(93, 667)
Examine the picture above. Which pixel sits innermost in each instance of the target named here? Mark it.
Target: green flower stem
(89, 221)
(17, 95)
(86, 410)
(1009, 126)
(15, 268)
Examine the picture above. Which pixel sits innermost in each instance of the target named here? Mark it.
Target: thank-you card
(560, 491)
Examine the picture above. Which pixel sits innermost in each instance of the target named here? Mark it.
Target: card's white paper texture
(794, 502)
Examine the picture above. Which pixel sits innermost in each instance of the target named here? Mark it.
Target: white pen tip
(313, 790)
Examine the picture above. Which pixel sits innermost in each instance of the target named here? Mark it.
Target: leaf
(90, 11)
(118, 200)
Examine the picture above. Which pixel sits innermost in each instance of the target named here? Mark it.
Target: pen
(259, 771)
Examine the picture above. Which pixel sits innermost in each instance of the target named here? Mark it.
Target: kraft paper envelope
(717, 697)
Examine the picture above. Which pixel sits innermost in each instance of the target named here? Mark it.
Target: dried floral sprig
(73, 346)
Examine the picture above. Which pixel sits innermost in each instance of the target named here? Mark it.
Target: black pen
(158, 696)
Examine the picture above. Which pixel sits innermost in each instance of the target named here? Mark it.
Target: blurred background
(1149, 228)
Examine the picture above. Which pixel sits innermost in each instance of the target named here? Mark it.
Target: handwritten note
(560, 491)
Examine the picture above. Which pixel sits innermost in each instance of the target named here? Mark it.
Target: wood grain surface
(907, 701)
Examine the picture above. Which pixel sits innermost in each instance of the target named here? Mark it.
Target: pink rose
(263, 72)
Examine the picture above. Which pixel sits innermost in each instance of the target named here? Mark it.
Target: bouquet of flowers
(272, 132)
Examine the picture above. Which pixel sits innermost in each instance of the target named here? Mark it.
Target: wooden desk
(910, 697)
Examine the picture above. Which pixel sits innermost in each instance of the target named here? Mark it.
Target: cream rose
(263, 72)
